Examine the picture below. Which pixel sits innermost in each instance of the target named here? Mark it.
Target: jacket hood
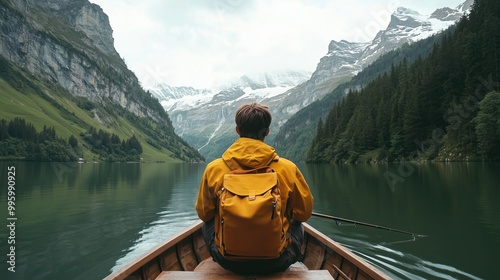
(247, 153)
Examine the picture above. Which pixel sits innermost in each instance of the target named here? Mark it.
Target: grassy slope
(40, 112)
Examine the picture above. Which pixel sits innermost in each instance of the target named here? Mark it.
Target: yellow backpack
(250, 216)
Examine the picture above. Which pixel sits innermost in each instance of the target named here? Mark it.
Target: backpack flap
(245, 185)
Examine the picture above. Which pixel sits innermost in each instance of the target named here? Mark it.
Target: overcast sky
(202, 42)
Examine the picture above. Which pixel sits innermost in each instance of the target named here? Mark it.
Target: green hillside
(44, 104)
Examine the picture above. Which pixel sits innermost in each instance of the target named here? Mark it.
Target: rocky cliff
(69, 43)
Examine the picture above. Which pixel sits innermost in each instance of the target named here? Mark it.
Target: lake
(80, 221)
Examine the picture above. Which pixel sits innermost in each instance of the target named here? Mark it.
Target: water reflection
(454, 204)
(177, 214)
(75, 222)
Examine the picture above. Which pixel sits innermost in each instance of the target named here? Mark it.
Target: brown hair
(253, 120)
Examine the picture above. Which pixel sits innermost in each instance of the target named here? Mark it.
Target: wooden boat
(186, 256)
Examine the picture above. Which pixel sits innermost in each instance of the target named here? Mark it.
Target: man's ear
(238, 130)
(267, 132)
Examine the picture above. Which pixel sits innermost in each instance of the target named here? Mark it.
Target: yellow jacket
(247, 153)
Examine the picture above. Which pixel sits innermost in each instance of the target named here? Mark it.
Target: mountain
(346, 60)
(438, 107)
(59, 67)
(205, 118)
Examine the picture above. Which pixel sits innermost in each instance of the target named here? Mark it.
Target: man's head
(253, 121)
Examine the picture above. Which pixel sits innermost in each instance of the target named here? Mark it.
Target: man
(250, 152)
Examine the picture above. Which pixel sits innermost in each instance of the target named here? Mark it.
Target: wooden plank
(135, 276)
(362, 276)
(332, 263)
(209, 266)
(349, 269)
(200, 247)
(169, 260)
(287, 275)
(151, 270)
(186, 254)
(315, 254)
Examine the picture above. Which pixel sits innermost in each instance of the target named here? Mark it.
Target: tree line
(111, 148)
(443, 106)
(19, 140)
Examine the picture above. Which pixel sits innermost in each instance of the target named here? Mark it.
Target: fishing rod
(338, 219)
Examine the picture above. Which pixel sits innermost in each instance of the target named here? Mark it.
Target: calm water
(80, 221)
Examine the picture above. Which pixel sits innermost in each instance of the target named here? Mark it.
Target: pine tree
(73, 142)
(488, 126)
(4, 134)
(314, 152)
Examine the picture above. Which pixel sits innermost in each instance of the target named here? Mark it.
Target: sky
(202, 43)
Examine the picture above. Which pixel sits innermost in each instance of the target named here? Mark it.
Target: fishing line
(339, 221)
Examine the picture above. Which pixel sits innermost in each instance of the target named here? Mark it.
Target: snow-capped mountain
(345, 59)
(256, 86)
(407, 26)
(205, 117)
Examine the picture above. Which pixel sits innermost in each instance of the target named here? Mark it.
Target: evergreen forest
(444, 106)
(19, 140)
(111, 148)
